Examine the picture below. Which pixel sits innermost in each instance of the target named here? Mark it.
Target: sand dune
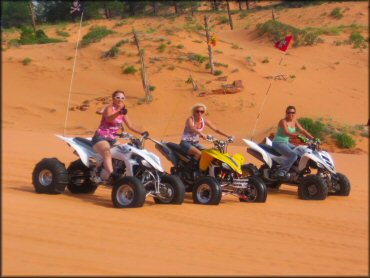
(70, 234)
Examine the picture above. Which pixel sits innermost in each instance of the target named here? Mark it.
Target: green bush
(129, 70)
(96, 34)
(266, 60)
(26, 61)
(336, 13)
(223, 19)
(28, 36)
(151, 88)
(277, 31)
(62, 33)
(345, 141)
(122, 42)
(162, 47)
(217, 72)
(150, 30)
(315, 128)
(180, 46)
(111, 53)
(119, 24)
(197, 57)
(357, 40)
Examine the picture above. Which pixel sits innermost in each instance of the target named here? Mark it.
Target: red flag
(284, 44)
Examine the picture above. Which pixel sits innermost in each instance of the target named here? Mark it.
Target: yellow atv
(217, 174)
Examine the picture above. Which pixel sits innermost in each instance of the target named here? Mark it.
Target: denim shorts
(186, 145)
(98, 138)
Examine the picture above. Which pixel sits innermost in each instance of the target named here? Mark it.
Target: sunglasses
(290, 112)
(199, 111)
(119, 98)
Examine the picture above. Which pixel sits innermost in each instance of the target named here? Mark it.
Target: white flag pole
(73, 73)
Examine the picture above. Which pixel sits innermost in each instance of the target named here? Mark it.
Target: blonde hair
(195, 106)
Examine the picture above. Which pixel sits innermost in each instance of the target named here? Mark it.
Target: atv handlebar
(220, 144)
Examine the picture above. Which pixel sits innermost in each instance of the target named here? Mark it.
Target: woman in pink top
(114, 115)
(194, 127)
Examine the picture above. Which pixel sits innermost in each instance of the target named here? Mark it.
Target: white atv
(141, 173)
(310, 186)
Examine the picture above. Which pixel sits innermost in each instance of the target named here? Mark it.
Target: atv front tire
(343, 184)
(49, 176)
(312, 187)
(172, 191)
(207, 191)
(256, 191)
(79, 178)
(128, 192)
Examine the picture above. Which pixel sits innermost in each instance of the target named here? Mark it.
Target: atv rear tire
(207, 191)
(256, 192)
(79, 178)
(128, 192)
(172, 191)
(312, 187)
(344, 185)
(50, 176)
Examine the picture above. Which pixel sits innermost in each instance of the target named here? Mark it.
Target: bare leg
(195, 152)
(103, 148)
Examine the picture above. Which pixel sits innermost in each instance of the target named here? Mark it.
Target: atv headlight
(226, 167)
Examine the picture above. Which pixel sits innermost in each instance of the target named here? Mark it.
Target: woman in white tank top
(194, 127)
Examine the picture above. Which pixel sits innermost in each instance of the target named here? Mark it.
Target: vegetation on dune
(26, 61)
(316, 128)
(129, 70)
(197, 57)
(62, 33)
(277, 31)
(341, 134)
(114, 51)
(96, 34)
(218, 72)
(336, 13)
(28, 36)
(344, 140)
(357, 40)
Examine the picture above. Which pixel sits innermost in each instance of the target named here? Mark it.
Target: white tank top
(190, 135)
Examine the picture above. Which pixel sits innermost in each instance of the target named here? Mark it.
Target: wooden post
(33, 16)
(148, 96)
(273, 14)
(230, 18)
(210, 52)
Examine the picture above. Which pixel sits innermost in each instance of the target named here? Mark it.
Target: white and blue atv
(311, 186)
(141, 173)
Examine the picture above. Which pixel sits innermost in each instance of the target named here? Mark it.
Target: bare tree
(33, 16)
(155, 8)
(240, 5)
(176, 7)
(228, 12)
(210, 52)
(247, 3)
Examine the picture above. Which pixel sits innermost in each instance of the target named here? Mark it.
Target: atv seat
(269, 149)
(177, 149)
(84, 141)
